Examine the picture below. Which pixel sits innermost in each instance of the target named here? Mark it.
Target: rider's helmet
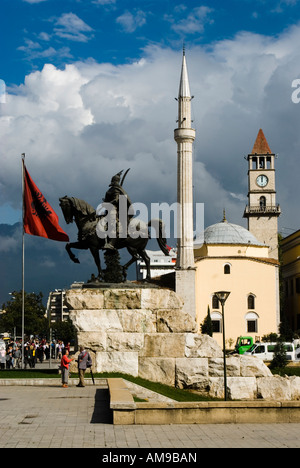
(116, 179)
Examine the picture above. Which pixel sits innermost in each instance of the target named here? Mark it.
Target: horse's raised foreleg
(75, 245)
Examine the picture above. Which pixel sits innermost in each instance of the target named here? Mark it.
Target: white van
(265, 351)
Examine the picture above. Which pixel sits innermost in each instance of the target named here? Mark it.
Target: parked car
(265, 351)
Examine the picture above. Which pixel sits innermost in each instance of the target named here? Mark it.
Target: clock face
(262, 180)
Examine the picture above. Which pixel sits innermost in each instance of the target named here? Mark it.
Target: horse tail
(159, 227)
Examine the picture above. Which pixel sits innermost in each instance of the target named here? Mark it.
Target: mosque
(230, 258)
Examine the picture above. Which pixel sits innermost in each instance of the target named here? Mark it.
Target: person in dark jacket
(84, 361)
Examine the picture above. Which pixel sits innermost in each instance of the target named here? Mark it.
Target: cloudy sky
(87, 89)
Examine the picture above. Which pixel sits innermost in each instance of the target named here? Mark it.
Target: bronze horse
(86, 220)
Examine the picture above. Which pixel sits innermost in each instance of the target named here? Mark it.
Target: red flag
(39, 218)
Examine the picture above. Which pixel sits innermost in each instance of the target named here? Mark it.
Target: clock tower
(262, 211)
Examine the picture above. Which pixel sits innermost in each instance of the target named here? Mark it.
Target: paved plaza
(51, 416)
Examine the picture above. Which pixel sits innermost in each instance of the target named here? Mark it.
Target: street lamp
(222, 297)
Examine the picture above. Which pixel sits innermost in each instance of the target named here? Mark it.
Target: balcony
(261, 210)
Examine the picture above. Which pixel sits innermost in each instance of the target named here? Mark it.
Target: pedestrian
(32, 352)
(18, 358)
(64, 365)
(84, 361)
(27, 360)
(8, 359)
(2, 358)
(52, 346)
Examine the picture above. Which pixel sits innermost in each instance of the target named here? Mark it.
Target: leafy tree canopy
(35, 322)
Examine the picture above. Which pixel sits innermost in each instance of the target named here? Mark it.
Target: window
(251, 301)
(259, 349)
(251, 326)
(252, 322)
(215, 302)
(262, 203)
(227, 269)
(216, 319)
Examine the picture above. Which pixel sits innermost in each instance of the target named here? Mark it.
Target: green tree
(279, 360)
(35, 322)
(64, 331)
(207, 326)
(271, 337)
(286, 333)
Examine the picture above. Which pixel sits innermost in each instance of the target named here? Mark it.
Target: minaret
(184, 136)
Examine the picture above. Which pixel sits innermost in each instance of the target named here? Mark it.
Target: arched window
(216, 319)
(262, 203)
(252, 322)
(227, 269)
(215, 302)
(251, 301)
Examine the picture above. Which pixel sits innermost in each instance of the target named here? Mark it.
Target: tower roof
(261, 145)
(184, 87)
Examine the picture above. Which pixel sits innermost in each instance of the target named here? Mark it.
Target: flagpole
(23, 262)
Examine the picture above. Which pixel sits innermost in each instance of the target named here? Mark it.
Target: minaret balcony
(184, 134)
(262, 210)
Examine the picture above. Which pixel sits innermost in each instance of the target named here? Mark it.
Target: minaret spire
(184, 87)
(184, 136)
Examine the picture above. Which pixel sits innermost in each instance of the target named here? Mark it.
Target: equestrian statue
(109, 229)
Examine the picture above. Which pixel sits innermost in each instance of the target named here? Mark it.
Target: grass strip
(170, 392)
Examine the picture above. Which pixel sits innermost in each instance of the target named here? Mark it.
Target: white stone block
(216, 367)
(252, 366)
(96, 320)
(137, 320)
(201, 346)
(120, 341)
(158, 369)
(115, 361)
(273, 388)
(79, 299)
(95, 341)
(191, 373)
(160, 299)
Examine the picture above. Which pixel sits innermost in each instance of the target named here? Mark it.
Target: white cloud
(8, 244)
(70, 26)
(130, 22)
(80, 125)
(104, 2)
(34, 1)
(194, 22)
(33, 50)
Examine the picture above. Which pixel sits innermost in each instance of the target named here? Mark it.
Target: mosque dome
(228, 233)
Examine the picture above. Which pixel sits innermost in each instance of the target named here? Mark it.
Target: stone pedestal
(144, 332)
